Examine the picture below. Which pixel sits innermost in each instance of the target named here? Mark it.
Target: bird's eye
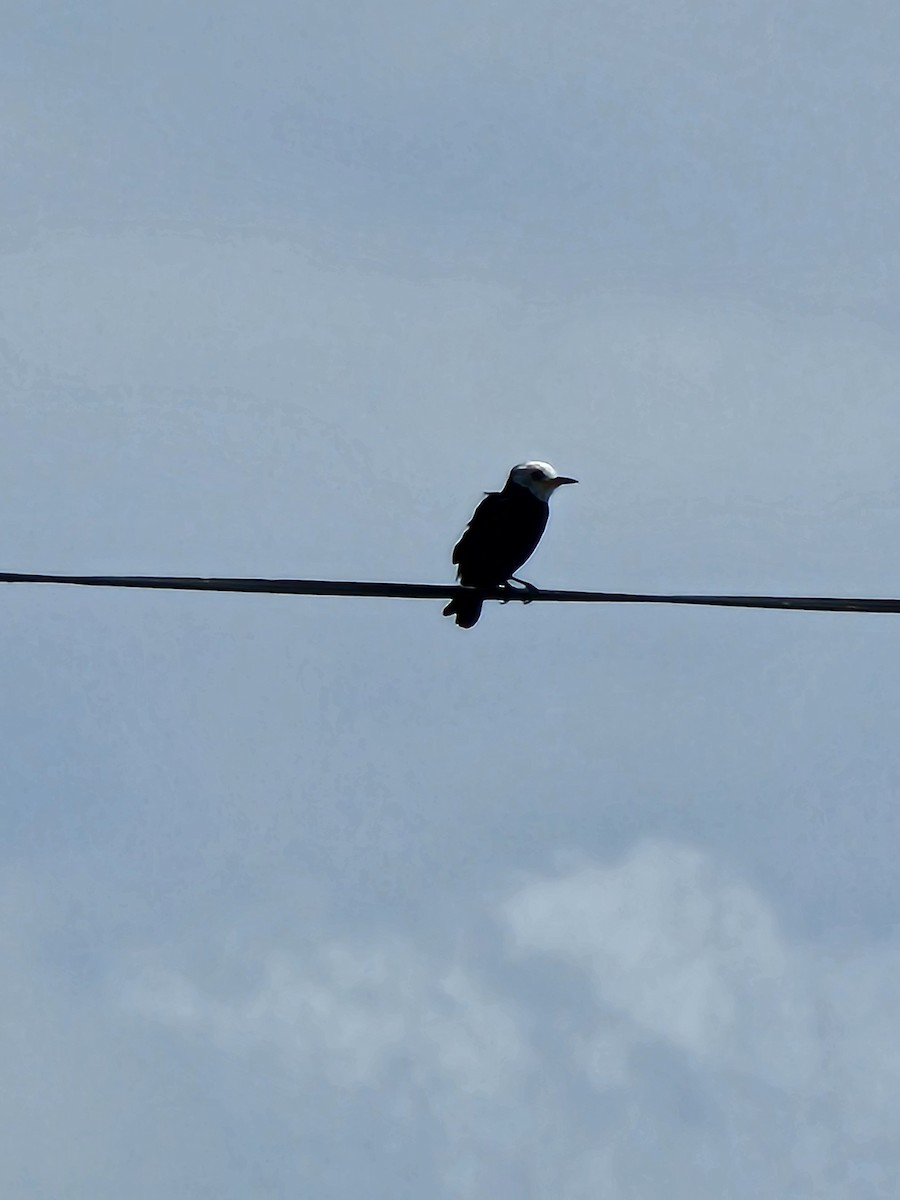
(537, 474)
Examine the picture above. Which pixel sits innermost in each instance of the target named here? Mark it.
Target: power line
(437, 591)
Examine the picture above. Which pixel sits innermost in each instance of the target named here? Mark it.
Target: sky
(327, 897)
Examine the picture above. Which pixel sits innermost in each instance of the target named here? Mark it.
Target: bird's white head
(539, 478)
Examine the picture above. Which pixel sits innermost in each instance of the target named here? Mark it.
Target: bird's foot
(525, 587)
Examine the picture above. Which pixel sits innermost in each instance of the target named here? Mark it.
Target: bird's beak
(562, 479)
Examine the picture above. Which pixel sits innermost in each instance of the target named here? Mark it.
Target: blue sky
(327, 897)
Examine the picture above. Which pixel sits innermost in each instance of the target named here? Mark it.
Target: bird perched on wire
(502, 535)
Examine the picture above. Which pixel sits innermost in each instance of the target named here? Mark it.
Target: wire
(432, 591)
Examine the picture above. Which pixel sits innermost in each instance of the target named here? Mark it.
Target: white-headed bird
(503, 534)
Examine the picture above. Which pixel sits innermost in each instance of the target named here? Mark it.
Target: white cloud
(423, 1045)
(685, 953)
(685, 958)
(716, 1058)
(352, 1014)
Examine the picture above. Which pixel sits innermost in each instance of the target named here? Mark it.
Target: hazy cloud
(715, 1053)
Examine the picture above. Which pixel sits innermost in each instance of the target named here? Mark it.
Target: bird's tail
(466, 609)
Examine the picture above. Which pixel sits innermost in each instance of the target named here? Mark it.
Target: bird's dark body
(503, 534)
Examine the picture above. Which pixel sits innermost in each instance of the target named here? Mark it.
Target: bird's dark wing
(503, 533)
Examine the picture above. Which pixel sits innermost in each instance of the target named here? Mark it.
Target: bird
(502, 535)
